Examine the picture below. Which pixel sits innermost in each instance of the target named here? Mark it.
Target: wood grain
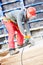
(31, 56)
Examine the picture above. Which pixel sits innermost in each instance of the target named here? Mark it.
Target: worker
(12, 28)
(13, 22)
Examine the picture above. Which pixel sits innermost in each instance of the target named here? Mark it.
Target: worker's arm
(19, 21)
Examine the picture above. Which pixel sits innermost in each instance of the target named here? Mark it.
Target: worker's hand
(27, 37)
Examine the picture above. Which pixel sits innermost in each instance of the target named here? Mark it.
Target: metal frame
(35, 4)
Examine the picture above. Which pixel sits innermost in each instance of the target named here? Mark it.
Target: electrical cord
(25, 41)
(22, 56)
(22, 52)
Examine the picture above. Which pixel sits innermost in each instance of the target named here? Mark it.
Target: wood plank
(37, 28)
(31, 56)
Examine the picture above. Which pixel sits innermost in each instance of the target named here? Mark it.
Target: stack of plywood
(3, 1)
(31, 56)
(36, 24)
(10, 6)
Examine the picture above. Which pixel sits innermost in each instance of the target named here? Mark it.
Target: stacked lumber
(10, 6)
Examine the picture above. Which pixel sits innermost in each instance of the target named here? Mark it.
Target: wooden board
(31, 56)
